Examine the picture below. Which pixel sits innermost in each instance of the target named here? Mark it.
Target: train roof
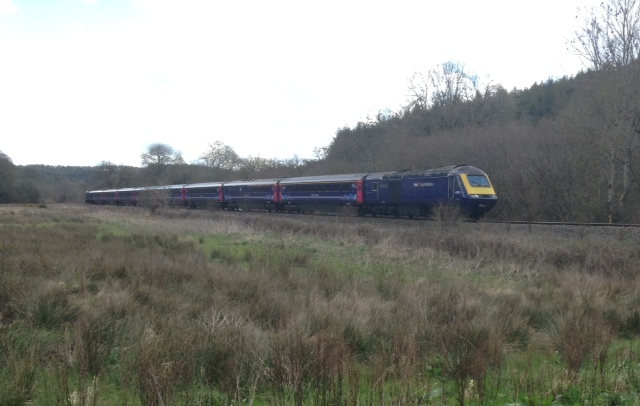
(468, 169)
(252, 182)
(325, 178)
(203, 184)
(163, 187)
(434, 172)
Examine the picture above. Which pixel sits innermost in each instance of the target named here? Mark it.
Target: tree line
(161, 164)
(563, 149)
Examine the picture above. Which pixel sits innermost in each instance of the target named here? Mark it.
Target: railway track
(566, 223)
(352, 214)
(514, 222)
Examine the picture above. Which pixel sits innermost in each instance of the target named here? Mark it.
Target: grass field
(106, 306)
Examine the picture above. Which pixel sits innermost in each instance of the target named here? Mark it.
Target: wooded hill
(561, 150)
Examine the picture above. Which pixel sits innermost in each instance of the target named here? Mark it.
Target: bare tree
(320, 153)
(160, 156)
(418, 97)
(105, 175)
(610, 37)
(221, 156)
(613, 127)
(451, 84)
(445, 85)
(610, 41)
(251, 166)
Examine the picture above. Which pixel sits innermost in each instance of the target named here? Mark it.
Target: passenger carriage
(168, 195)
(321, 193)
(253, 194)
(204, 195)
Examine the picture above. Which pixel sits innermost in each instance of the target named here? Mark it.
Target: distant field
(107, 305)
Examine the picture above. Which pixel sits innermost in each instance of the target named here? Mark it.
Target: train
(406, 193)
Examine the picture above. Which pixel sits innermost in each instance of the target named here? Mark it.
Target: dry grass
(165, 307)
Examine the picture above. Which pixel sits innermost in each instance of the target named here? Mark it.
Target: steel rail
(565, 223)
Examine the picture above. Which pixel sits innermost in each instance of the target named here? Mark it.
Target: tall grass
(127, 306)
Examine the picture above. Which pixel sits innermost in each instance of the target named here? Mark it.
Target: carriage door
(395, 190)
(452, 187)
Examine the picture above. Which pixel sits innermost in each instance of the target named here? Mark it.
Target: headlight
(483, 196)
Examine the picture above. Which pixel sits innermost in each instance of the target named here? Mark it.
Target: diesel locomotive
(401, 193)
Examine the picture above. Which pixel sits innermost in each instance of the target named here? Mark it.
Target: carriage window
(478, 180)
(374, 187)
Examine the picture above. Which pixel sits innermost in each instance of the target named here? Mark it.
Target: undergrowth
(109, 306)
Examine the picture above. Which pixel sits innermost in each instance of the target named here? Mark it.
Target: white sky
(85, 81)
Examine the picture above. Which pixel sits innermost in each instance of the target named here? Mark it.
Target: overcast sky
(85, 81)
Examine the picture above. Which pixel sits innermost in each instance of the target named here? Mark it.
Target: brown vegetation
(124, 305)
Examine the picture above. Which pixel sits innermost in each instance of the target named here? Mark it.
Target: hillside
(560, 150)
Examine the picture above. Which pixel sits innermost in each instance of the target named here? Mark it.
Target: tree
(418, 92)
(610, 37)
(251, 166)
(320, 153)
(221, 156)
(26, 192)
(610, 41)
(7, 178)
(446, 85)
(105, 175)
(494, 105)
(612, 126)
(451, 85)
(160, 156)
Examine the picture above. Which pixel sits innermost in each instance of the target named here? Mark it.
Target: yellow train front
(477, 195)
